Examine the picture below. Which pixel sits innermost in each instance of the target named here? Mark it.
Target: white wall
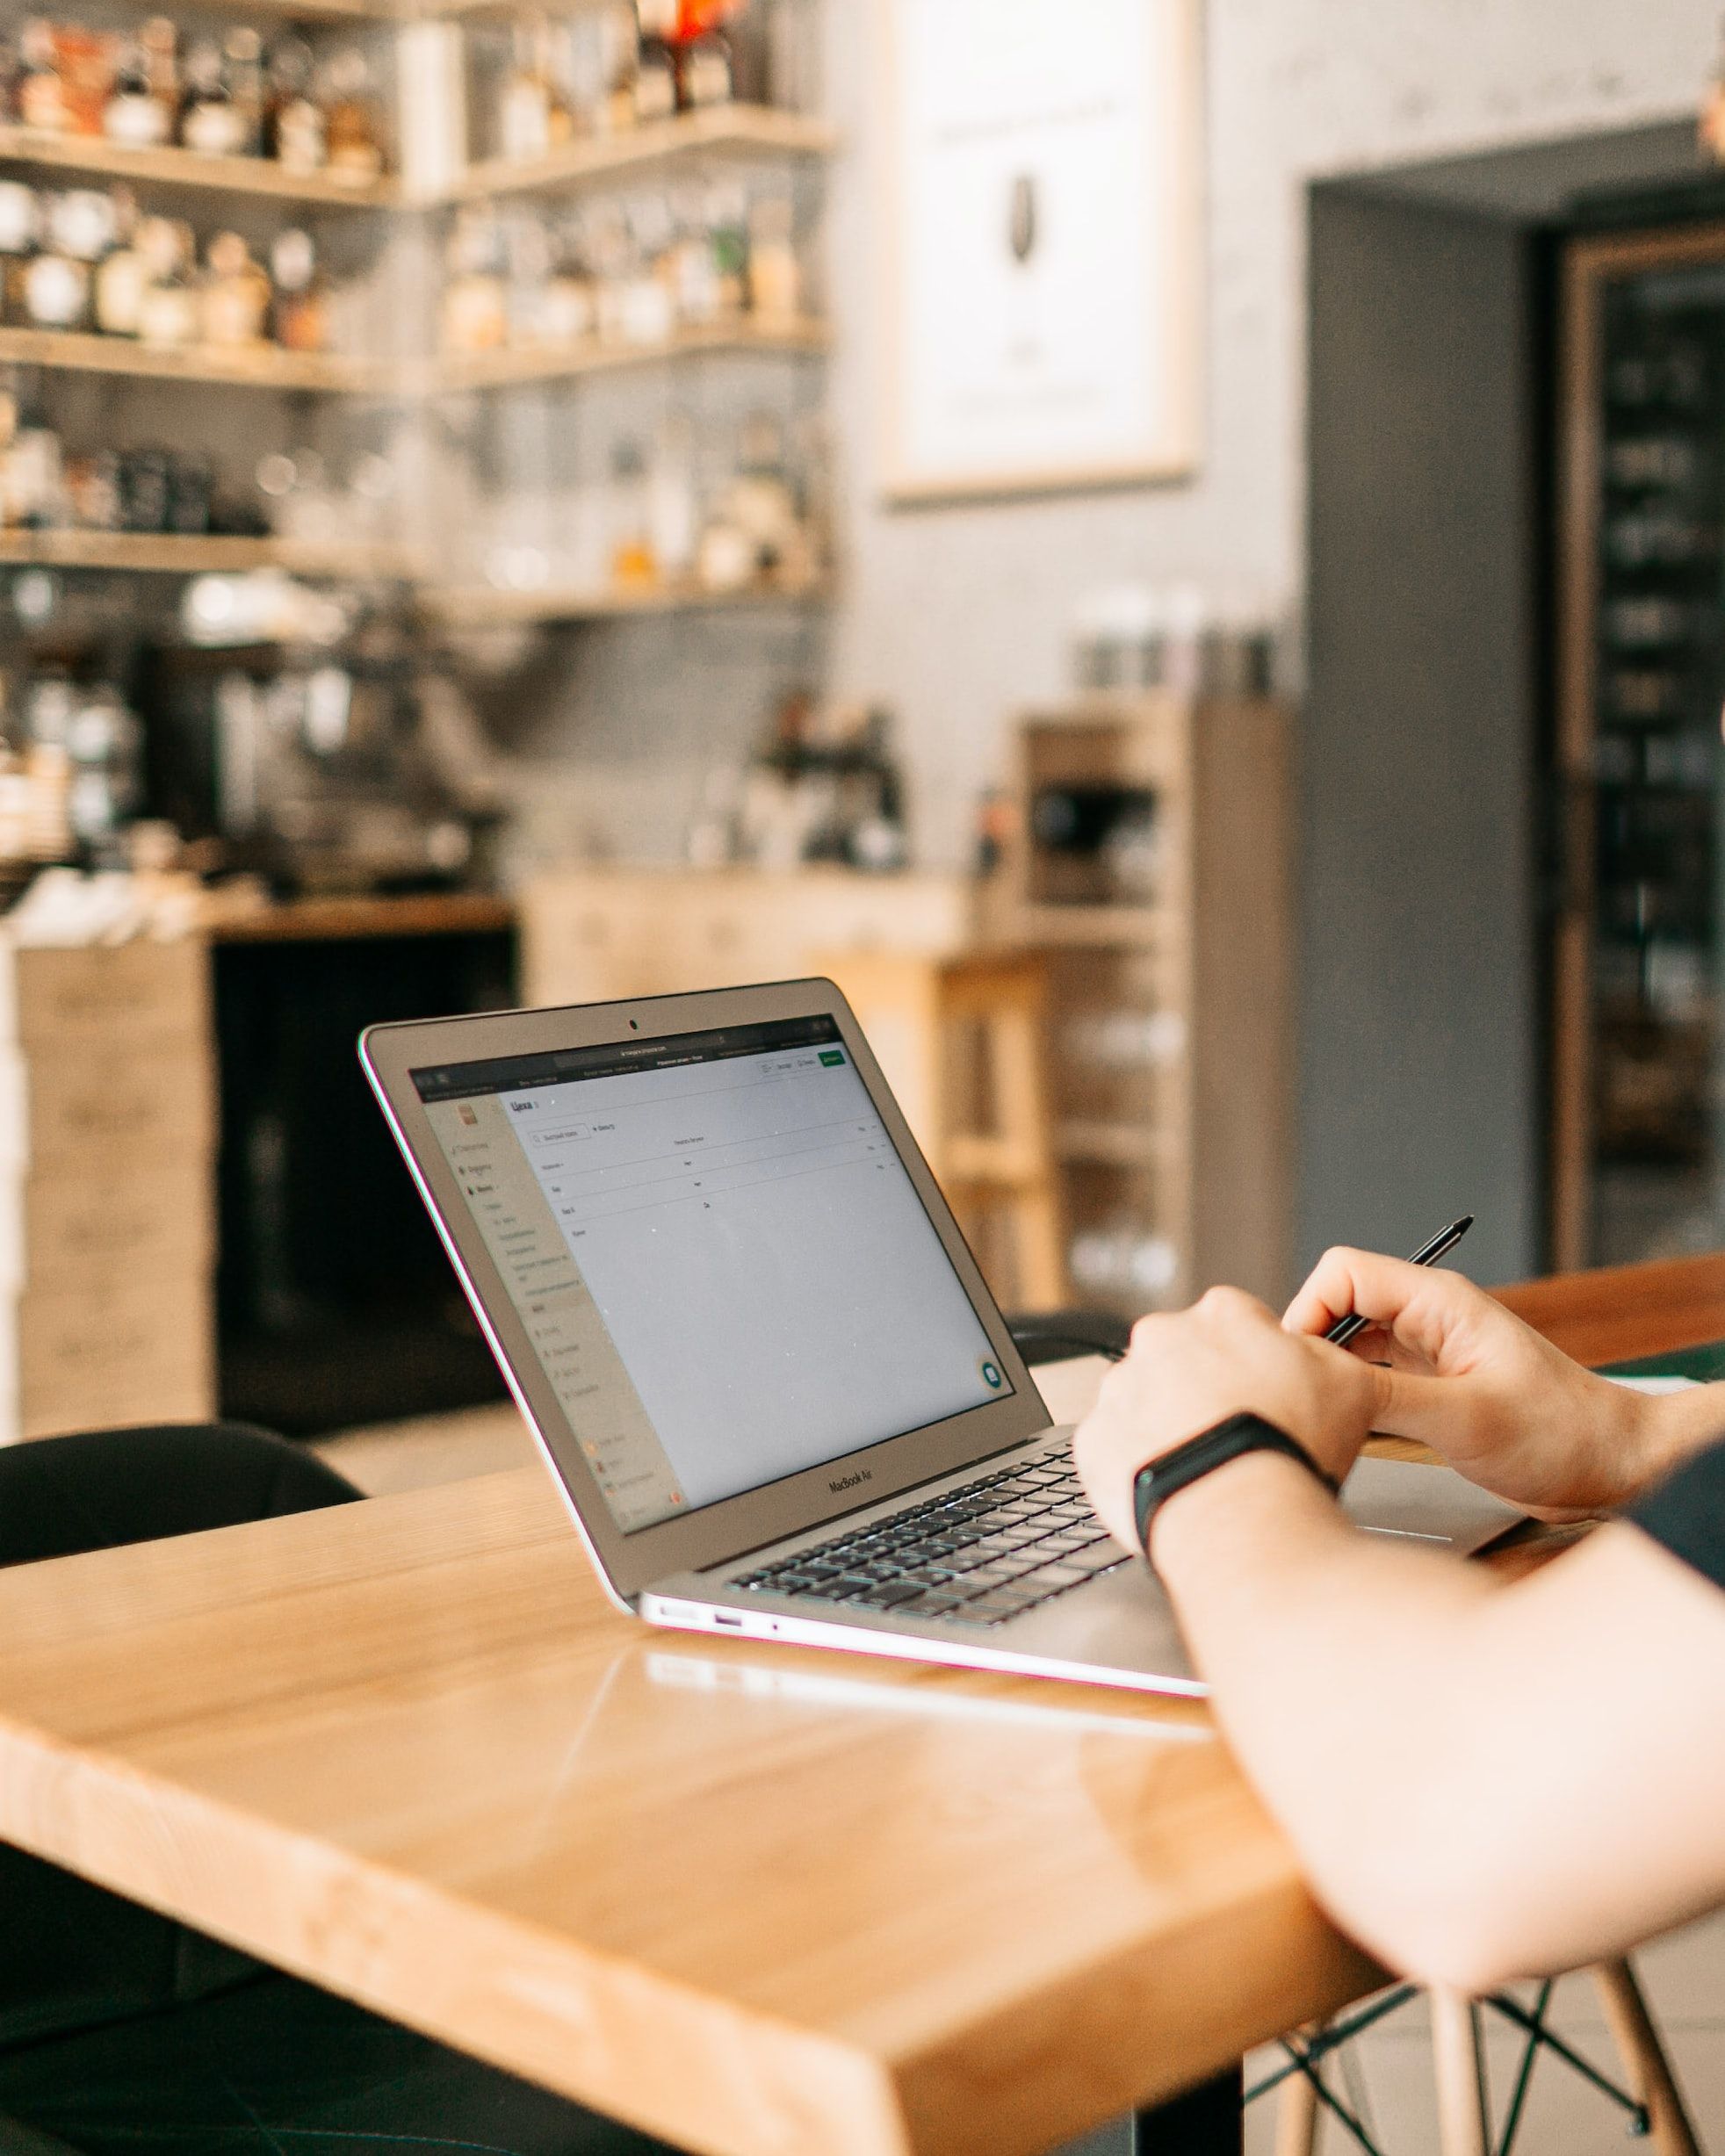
(958, 616)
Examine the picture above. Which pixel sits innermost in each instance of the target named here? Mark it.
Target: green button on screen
(831, 1056)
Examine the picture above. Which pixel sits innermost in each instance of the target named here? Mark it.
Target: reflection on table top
(758, 1898)
(761, 1899)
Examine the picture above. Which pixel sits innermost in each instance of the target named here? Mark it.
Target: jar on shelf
(135, 115)
(212, 123)
(300, 305)
(570, 317)
(122, 275)
(169, 314)
(1126, 1261)
(632, 562)
(353, 123)
(105, 744)
(235, 298)
(294, 131)
(54, 283)
(775, 273)
(20, 228)
(40, 94)
(474, 310)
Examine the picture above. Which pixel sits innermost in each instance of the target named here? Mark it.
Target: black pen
(1349, 1328)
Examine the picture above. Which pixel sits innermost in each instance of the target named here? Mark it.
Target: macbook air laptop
(734, 1309)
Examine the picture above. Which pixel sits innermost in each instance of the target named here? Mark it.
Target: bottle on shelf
(532, 116)
(656, 61)
(104, 747)
(761, 500)
(32, 490)
(135, 115)
(123, 274)
(236, 297)
(41, 95)
(55, 287)
(295, 132)
(569, 318)
(673, 522)
(20, 229)
(352, 122)
(47, 767)
(159, 42)
(84, 222)
(211, 123)
(300, 312)
(190, 496)
(775, 273)
(687, 264)
(528, 255)
(704, 74)
(170, 315)
(632, 564)
(92, 491)
(84, 61)
(1124, 1258)
(475, 299)
(619, 61)
(647, 310)
(727, 232)
(243, 52)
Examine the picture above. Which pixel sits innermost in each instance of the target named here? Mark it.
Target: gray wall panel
(1419, 1001)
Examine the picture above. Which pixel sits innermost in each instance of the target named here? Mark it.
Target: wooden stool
(1458, 2058)
(961, 1040)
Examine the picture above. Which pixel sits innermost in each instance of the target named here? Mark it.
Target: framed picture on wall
(1041, 250)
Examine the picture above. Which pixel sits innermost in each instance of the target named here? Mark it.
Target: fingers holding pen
(1412, 1310)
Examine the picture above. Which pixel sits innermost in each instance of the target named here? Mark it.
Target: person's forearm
(1341, 1675)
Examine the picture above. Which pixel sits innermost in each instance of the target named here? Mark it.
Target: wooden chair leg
(1459, 2064)
(1298, 2113)
(1644, 2062)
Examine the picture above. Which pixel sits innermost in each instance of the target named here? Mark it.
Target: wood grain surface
(759, 1900)
(1627, 1313)
(766, 1902)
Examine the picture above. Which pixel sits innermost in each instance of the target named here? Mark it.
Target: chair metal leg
(1460, 2062)
(1297, 2112)
(1205, 2120)
(1644, 2060)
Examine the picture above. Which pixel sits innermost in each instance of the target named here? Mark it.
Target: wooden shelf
(504, 369)
(178, 554)
(378, 14)
(1093, 926)
(1117, 1145)
(262, 367)
(480, 607)
(332, 919)
(184, 167)
(729, 130)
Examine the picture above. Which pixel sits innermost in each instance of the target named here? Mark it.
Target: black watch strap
(1157, 1482)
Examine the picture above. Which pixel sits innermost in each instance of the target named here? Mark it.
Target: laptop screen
(721, 1261)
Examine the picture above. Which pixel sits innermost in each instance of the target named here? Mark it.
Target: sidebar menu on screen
(568, 1334)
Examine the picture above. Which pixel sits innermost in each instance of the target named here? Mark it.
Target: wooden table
(760, 1900)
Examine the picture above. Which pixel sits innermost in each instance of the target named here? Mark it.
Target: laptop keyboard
(976, 1555)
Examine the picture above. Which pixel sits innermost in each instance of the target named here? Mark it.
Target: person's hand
(1227, 1355)
(1501, 1404)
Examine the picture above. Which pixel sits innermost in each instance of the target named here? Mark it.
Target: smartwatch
(1157, 1481)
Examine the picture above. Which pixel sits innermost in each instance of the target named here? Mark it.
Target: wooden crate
(588, 935)
(1184, 1131)
(107, 1159)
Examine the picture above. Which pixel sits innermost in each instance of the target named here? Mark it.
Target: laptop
(732, 1306)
